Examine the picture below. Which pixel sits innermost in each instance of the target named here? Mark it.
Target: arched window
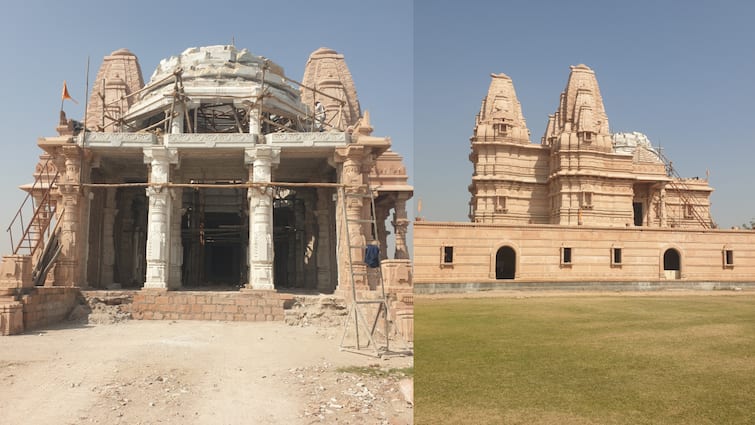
(505, 263)
(672, 260)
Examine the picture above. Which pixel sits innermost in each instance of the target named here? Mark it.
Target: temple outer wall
(47, 306)
(538, 251)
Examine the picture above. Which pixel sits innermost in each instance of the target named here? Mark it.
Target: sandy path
(186, 372)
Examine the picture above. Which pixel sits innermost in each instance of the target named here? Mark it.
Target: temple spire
(501, 113)
(580, 121)
(326, 71)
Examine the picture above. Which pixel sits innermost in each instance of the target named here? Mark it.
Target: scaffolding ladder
(356, 317)
(678, 185)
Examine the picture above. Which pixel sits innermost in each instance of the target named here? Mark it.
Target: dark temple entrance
(638, 214)
(214, 231)
(505, 263)
(288, 233)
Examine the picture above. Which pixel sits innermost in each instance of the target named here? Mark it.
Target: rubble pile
(353, 397)
(324, 311)
(102, 310)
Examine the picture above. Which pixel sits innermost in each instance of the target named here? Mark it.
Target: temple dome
(218, 74)
(636, 144)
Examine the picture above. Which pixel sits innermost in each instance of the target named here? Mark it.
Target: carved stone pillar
(176, 243)
(324, 247)
(254, 123)
(177, 125)
(262, 159)
(351, 175)
(400, 226)
(68, 267)
(381, 214)
(108, 238)
(159, 217)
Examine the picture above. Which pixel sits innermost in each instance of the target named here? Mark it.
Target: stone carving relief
(95, 139)
(210, 139)
(307, 138)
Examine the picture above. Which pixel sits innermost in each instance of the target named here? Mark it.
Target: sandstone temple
(583, 205)
(221, 181)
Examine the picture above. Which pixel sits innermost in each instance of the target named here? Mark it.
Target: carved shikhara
(580, 173)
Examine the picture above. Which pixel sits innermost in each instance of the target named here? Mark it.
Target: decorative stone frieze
(210, 140)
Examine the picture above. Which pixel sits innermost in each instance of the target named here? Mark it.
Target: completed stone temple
(585, 207)
(221, 173)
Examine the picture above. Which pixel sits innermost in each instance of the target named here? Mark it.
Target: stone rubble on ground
(342, 397)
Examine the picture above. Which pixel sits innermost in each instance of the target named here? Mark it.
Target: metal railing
(30, 225)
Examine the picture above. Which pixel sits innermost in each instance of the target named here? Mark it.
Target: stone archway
(505, 263)
(672, 264)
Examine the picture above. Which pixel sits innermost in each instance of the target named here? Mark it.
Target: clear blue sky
(681, 72)
(48, 42)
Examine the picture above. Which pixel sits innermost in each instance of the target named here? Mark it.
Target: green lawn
(585, 360)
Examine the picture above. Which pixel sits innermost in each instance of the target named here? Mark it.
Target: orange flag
(66, 95)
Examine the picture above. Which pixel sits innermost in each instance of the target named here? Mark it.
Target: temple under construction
(221, 173)
(584, 206)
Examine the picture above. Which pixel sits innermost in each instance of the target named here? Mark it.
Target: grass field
(585, 360)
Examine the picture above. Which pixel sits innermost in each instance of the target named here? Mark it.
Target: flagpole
(86, 102)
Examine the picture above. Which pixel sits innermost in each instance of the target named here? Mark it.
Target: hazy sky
(48, 42)
(681, 72)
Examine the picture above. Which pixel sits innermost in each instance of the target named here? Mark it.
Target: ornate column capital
(352, 152)
(159, 159)
(261, 155)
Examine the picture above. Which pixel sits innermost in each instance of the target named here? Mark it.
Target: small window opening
(500, 204)
(616, 256)
(566, 255)
(448, 254)
(502, 129)
(689, 211)
(728, 258)
(587, 200)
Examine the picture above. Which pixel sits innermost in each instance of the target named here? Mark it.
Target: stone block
(11, 318)
(15, 272)
(223, 299)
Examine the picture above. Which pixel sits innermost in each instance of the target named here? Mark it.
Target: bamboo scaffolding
(219, 185)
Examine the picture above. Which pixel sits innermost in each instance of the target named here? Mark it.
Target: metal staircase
(356, 321)
(678, 185)
(33, 229)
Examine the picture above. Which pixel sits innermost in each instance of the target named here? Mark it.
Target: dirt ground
(193, 372)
